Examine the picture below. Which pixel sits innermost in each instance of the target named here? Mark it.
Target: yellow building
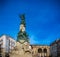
(41, 50)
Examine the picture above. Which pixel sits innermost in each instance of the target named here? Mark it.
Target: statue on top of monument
(22, 35)
(22, 16)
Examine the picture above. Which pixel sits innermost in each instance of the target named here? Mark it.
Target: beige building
(41, 50)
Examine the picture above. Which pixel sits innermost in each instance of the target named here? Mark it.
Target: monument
(23, 48)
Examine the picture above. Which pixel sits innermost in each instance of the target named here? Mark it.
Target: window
(45, 50)
(39, 50)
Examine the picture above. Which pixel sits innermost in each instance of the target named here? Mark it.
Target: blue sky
(42, 19)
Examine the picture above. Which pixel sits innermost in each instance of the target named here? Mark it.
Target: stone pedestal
(21, 50)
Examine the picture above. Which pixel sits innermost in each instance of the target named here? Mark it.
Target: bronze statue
(22, 16)
(22, 35)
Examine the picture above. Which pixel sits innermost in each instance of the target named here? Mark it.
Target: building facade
(41, 50)
(6, 44)
(55, 48)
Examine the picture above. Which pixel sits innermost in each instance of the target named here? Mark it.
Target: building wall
(12, 43)
(55, 48)
(41, 53)
(7, 43)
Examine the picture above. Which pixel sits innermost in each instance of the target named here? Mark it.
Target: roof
(7, 36)
(55, 42)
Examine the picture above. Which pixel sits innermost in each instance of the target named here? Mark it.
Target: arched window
(39, 50)
(45, 50)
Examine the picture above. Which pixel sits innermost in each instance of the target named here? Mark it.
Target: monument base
(21, 50)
